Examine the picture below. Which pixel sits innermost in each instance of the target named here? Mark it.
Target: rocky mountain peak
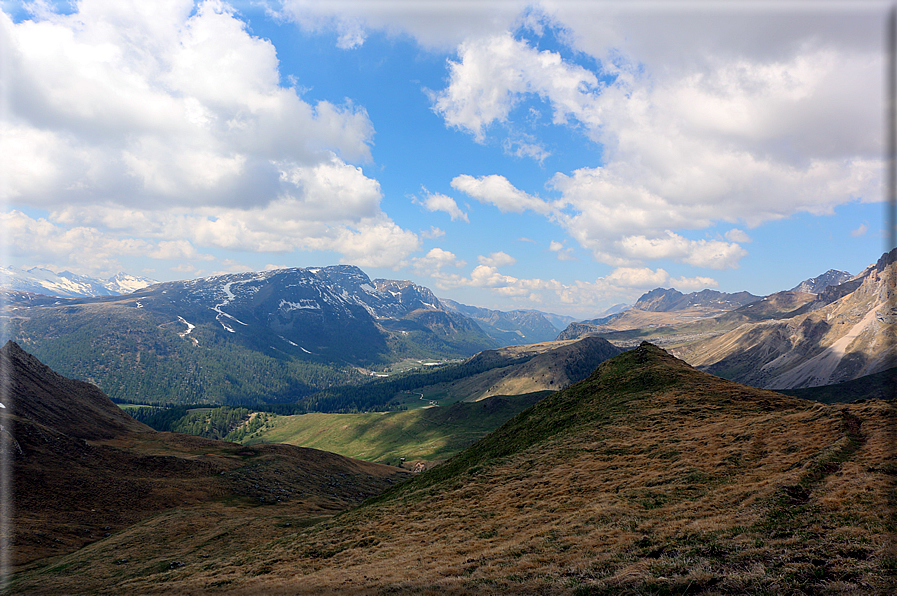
(658, 299)
(815, 285)
(409, 294)
(666, 300)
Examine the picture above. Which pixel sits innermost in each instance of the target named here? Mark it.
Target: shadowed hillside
(881, 385)
(649, 477)
(74, 408)
(83, 471)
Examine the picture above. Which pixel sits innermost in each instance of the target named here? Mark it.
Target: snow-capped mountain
(307, 307)
(125, 283)
(815, 285)
(69, 285)
(266, 336)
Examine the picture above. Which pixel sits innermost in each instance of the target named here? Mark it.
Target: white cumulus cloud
(144, 101)
(498, 191)
(435, 261)
(736, 235)
(712, 254)
(860, 231)
(493, 75)
(440, 202)
(497, 259)
(435, 25)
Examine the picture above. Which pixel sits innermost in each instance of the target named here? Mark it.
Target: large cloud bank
(164, 120)
(165, 129)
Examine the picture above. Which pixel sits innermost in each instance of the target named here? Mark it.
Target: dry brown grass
(73, 495)
(696, 486)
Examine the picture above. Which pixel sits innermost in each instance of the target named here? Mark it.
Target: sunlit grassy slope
(432, 433)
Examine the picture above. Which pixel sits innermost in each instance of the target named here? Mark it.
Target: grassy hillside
(80, 471)
(433, 433)
(649, 477)
(426, 433)
(512, 370)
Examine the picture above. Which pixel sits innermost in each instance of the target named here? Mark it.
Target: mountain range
(787, 340)
(285, 334)
(844, 332)
(509, 327)
(265, 336)
(37, 280)
(661, 307)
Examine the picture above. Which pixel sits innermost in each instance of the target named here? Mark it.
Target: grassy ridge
(647, 478)
(603, 396)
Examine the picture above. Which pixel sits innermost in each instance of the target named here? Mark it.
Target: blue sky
(564, 156)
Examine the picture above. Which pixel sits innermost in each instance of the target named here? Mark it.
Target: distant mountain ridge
(693, 306)
(553, 369)
(661, 307)
(821, 333)
(267, 336)
(69, 285)
(665, 300)
(508, 328)
(814, 285)
(844, 333)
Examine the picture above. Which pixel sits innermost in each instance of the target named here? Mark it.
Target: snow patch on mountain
(289, 342)
(286, 306)
(229, 297)
(190, 328)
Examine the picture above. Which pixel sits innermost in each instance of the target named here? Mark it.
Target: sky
(564, 156)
